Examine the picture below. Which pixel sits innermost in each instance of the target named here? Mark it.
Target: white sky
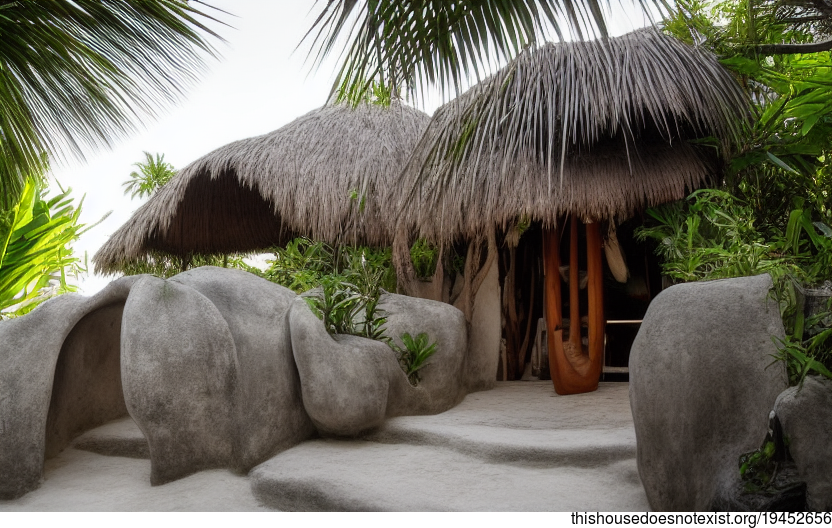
(259, 84)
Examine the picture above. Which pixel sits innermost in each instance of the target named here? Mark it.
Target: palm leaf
(418, 42)
(77, 74)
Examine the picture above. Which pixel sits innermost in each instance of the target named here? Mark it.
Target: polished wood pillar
(574, 368)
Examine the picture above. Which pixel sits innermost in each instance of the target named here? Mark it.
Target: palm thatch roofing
(330, 175)
(597, 128)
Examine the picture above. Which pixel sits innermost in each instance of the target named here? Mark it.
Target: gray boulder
(806, 417)
(208, 371)
(179, 369)
(269, 415)
(444, 377)
(60, 376)
(351, 384)
(701, 387)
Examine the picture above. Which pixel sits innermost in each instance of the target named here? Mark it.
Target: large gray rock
(70, 343)
(702, 386)
(179, 370)
(444, 378)
(806, 417)
(350, 384)
(269, 413)
(208, 371)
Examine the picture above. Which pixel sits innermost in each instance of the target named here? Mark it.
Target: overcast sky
(258, 85)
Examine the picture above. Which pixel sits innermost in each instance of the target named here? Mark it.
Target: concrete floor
(519, 447)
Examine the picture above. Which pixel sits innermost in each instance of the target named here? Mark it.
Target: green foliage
(758, 468)
(420, 42)
(303, 264)
(425, 257)
(346, 308)
(35, 238)
(78, 73)
(804, 358)
(413, 357)
(350, 281)
(772, 213)
(152, 174)
(712, 235)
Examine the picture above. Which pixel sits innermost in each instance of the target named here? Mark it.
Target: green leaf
(780, 163)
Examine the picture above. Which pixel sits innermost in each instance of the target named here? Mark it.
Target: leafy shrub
(424, 257)
(35, 237)
(414, 355)
(346, 308)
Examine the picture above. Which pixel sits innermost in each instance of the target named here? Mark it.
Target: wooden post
(595, 295)
(552, 299)
(574, 287)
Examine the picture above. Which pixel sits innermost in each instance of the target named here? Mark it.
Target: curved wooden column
(574, 369)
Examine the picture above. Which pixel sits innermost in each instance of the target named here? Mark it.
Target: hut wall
(485, 333)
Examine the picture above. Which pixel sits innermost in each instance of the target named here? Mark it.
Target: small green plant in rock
(414, 355)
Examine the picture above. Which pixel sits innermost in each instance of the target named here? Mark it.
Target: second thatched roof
(600, 129)
(330, 175)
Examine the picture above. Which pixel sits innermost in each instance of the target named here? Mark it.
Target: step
(518, 447)
(121, 438)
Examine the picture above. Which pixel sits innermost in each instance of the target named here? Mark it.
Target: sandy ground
(518, 447)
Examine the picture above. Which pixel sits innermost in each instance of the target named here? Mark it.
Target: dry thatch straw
(596, 128)
(331, 175)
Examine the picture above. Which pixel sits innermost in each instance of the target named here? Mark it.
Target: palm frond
(78, 74)
(415, 43)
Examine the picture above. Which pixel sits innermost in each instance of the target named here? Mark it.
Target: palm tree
(152, 174)
(76, 74)
(414, 43)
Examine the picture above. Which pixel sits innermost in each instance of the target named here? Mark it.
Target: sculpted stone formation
(218, 367)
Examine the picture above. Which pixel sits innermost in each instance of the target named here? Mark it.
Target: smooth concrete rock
(345, 380)
(179, 370)
(351, 384)
(31, 347)
(702, 384)
(443, 378)
(268, 414)
(806, 417)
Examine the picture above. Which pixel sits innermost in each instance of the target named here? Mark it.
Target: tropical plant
(150, 176)
(712, 235)
(35, 252)
(346, 308)
(779, 176)
(417, 43)
(413, 357)
(78, 73)
(425, 257)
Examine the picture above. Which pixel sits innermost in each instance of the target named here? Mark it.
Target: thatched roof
(598, 128)
(330, 175)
